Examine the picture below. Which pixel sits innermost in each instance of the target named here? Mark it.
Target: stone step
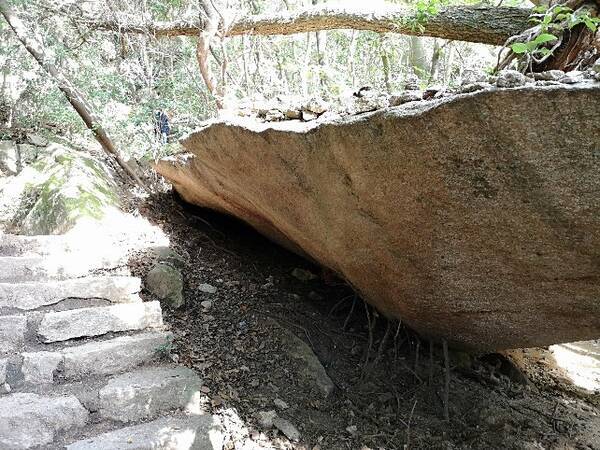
(145, 393)
(17, 245)
(19, 269)
(4, 386)
(12, 333)
(28, 296)
(30, 420)
(167, 433)
(75, 323)
(94, 358)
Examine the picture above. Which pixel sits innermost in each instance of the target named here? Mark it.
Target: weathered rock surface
(12, 333)
(166, 282)
(4, 386)
(28, 420)
(193, 433)
(146, 392)
(311, 372)
(474, 218)
(39, 367)
(115, 355)
(65, 325)
(94, 358)
(9, 158)
(28, 296)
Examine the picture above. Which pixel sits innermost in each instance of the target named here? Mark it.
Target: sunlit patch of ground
(581, 363)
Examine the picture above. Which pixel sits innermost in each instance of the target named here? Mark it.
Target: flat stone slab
(22, 268)
(28, 296)
(113, 356)
(65, 325)
(30, 420)
(146, 392)
(58, 266)
(93, 359)
(18, 245)
(193, 433)
(12, 333)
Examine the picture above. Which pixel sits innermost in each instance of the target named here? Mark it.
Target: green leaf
(590, 24)
(561, 9)
(543, 38)
(519, 48)
(544, 51)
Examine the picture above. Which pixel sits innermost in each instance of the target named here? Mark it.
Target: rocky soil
(251, 308)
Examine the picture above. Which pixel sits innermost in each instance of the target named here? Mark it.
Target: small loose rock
(572, 77)
(287, 428)
(266, 418)
(280, 404)
(549, 75)
(474, 87)
(510, 79)
(405, 97)
(303, 275)
(207, 288)
(207, 304)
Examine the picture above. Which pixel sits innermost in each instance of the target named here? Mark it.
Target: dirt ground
(389, 391)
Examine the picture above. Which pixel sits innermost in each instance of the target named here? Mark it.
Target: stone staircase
(83, 361)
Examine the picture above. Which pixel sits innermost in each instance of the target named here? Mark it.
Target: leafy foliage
(553, 22)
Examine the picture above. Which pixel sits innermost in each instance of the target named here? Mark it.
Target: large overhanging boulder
(474, 218)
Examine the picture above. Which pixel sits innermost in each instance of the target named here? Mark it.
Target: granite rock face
(474, 218)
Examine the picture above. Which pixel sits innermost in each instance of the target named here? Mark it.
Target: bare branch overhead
(487, 25)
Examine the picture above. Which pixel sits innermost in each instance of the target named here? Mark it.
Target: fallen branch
(487, 25)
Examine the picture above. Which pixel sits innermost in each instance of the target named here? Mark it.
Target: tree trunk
(209, 19)
(385, 62)
(417, 58)
(435, 60)
(487, 25)
(33, 45)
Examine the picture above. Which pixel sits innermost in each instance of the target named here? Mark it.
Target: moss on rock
(63, 187)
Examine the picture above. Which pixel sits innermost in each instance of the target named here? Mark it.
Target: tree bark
(487, 25)
(32, 44)
(209, 20)
(385, 62)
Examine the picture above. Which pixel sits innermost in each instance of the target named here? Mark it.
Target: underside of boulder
(473, 218)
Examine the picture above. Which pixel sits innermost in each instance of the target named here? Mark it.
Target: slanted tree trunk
(209, 27)
(33, 45)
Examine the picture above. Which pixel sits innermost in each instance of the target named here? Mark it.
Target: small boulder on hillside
(166, 283)
(37, 140)
(311, 372)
